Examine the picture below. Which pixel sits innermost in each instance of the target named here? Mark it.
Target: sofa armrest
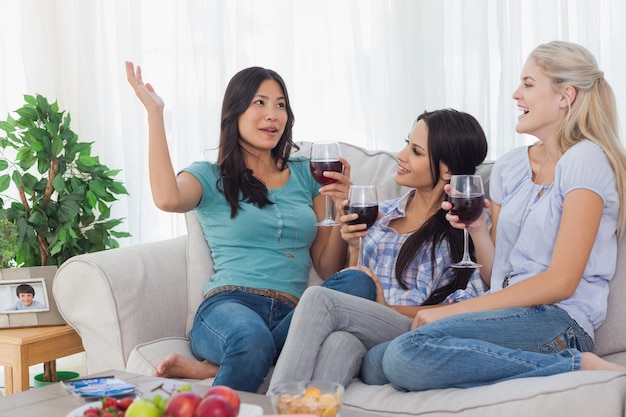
(99, 293)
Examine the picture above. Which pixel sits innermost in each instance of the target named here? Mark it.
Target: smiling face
(26, 299)
(414, 160)
(263, 123)
(543, 108)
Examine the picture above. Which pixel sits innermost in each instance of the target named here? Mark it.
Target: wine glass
(362, 200)
(468, 199)
(325, 157)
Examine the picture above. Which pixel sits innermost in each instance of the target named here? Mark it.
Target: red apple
(182, 405)
(214, 406)
(228, 394)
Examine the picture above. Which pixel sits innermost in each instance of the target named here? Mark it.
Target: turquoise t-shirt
(260, 248)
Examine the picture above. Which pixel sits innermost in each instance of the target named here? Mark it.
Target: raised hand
(150, 99)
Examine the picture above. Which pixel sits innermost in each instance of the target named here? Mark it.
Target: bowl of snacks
(319, 398)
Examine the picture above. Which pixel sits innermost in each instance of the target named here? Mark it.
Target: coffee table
(54, 400)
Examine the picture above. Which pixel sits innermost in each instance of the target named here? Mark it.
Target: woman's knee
(407, 364)
(353, 282)
(252, 338)
(372, 371)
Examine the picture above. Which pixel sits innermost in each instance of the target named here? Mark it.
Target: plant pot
(61, 376)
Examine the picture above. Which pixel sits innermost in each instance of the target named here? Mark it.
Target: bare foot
(592, 362)
(178, 366)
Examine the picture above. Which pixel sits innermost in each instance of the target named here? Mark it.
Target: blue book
(108, 386)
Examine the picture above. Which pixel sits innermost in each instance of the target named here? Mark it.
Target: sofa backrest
(367, 167)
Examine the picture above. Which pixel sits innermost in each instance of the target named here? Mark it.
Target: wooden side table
(23, 347)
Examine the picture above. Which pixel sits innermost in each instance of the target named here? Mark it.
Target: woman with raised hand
(257, 207)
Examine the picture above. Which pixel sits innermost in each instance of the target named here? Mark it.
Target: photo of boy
(26, 296)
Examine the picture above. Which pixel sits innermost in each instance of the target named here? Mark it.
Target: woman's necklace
(278, 220)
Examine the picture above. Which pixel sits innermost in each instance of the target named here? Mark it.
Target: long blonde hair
(593, 114)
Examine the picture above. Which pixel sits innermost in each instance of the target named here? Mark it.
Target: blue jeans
(244, 333)
(478, 349)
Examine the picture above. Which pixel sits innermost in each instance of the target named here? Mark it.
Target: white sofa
(133, 305)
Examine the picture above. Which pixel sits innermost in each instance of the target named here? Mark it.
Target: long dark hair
(236, 180)
(456, 139)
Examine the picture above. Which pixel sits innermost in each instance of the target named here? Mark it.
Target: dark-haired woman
(408, 253)
(408, 250)
(257, 207)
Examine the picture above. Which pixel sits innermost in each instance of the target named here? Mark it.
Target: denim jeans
(245, 332)
(479, 348)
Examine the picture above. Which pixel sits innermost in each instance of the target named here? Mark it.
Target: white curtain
(358, 71)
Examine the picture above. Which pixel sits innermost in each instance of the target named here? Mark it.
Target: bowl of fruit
(218, 401)
(319, 398)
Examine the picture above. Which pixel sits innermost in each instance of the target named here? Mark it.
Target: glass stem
(359, 261)
(466, 257)
(329, 208)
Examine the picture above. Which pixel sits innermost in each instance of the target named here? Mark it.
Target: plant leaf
(5, 181)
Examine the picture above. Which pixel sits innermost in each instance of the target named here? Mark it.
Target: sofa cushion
(610, 338)
(199, 265)
(145, 357)
(581, 393)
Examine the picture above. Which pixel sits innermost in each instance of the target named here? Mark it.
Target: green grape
(156, 399)
(184, 388)
(163, 403)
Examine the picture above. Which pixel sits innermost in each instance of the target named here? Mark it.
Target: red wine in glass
(367, 214)
(467, 207)
(319, 166)
(325, 157)
(468, 199)
(362, 200)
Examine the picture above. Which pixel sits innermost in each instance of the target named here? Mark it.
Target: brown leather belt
(276, 295)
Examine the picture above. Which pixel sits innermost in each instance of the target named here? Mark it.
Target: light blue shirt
(380, 251)
(528, 225)
(251, 249)
(35, 305)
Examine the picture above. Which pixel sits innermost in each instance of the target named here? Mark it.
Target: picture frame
(21, 296)
(26, 297)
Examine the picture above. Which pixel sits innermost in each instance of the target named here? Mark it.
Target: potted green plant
(62, 204)
(53, 191)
